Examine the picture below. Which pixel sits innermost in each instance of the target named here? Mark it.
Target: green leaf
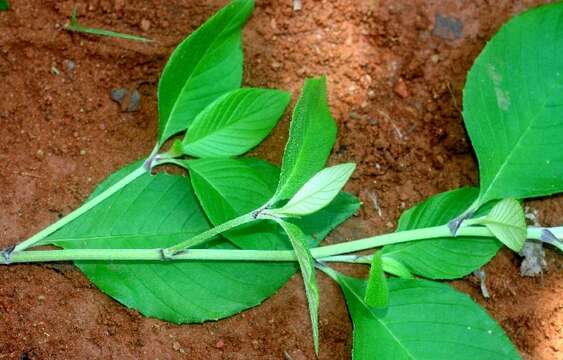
(513, 106)
(228, 188)
(377, 292)
(312, 134)
(395, 267)
(318, 192)
(158, 211)
(424, 320)
(235, 123)
(4, 5)
(203, 67)
(307, 266)
(507, 222)
(442, 258)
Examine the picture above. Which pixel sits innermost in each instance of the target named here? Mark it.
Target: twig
(76, 27)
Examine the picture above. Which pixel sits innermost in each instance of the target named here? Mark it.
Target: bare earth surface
(396, 70)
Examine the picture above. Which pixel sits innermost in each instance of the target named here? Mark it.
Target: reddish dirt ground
(395, 88)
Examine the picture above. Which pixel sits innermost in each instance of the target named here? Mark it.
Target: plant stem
(324, 253)
(81, 210)
(206, 235)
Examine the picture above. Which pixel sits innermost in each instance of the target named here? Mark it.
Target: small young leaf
(4, 5)
(442, 258)
(318, 192)
(507, 222)
(203, 67)
(235, 123)
(307, 266)
(312, 134)
(377, 291)
(424, 320)
(513, 106)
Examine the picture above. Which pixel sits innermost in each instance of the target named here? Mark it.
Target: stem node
(454, 224)
(7, 255)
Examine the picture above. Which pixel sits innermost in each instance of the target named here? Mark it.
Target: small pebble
(118, 94)
(220, 344)
(134, 102)
(128, 103)
(41, 297)
(448, 28)
(40, 154)
(69, 65)
(176, 346)
(82, 152)
(145, 25)
(401, 89)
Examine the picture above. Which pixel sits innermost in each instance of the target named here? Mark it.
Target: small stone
(145, 25)
(435, 58)
(118, 94)
(69, 65)
(41, 297)
(534, 263)
(55, 71)
(134, 102)
(40, 154)
(82, 152)
(176, 346)
(448, 28)
(401, 89)
(220, 344)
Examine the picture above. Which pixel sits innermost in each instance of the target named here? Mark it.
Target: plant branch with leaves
(168, 245)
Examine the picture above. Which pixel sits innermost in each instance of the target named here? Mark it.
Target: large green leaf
(424, 320)
(312, 134)
(307, 266)
(235, 123)
(228, 188)
(158, 211)
(203, 67)
(318, 192)
(442, 258)
(507, 222)
(4, 5)
(513, 107)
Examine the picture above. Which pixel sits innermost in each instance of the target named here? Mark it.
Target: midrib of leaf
(124, 236)
(196, 68)
(223, 125)
(361, 301)
(483, 197)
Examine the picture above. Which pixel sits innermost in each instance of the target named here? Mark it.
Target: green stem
(206, 235)
(324, 253)
(81, 210)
